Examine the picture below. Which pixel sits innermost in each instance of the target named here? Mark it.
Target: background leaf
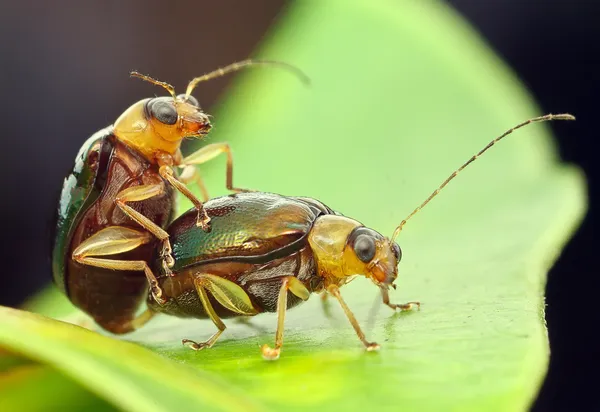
(403, 92)
(127, 375)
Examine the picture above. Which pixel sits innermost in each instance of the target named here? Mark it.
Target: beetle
(123, 180)
(268, 253)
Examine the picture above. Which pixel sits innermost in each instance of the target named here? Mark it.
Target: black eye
(163, 111)
(190, 99)
(364, 247)
(397, 252)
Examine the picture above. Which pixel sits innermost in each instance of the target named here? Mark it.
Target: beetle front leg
(203, 220)
(209, 152)
(190, 174)
(144, 192)
(402, 306)
(369, 346)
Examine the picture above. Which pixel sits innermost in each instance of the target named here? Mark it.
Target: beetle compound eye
(364, 247)
(163, 111)
(397, 251)
(190, 99)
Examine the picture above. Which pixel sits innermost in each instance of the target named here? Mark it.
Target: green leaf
(127, 375)
(40, 388)
(402, 93)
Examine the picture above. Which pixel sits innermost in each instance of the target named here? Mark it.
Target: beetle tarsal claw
(204, 222)
(158, 295)
(372, 347)
(194, 345)
(269, 353)
(408, 306)
(166, 255)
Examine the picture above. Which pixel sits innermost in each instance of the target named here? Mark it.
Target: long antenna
(243, 64)
(548, 117)
(152, 80)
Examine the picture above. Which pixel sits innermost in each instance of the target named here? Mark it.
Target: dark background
(56, 58)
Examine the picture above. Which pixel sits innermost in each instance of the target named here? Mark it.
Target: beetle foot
(269, 353)
(195, 345)
(166, 269)
(238, 190)
(166, 256)
(157, 294)
(204, 222)
(405, 306)
(372, 346)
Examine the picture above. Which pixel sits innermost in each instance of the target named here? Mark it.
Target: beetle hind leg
(112, 241)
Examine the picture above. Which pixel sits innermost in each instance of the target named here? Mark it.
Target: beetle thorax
(328, 238)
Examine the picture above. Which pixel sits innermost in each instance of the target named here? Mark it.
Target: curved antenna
(548, 117)
(152, 80)
(243, 64)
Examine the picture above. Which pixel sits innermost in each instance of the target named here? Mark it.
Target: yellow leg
(269, 353)
(203, 220)
(112, 241)
(190, 174)
(297, 288)
(209, 152)
(141, 319)
(210, 311)
(144, 192)
(230, 295)
(326, 305)
(369, 346)
(403, 306)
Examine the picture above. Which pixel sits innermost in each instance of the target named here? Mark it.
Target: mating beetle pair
(238, 255)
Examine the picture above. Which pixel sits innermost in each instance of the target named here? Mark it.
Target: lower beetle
(267, 253)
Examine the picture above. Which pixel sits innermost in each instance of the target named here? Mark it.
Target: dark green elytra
(80, 189)
(246, 226)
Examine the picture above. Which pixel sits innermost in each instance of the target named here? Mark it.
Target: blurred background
(63, 73)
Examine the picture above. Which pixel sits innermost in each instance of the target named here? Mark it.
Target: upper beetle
(119, 197)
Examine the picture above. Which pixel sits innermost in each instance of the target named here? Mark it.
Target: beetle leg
(297, 288)
(227, 293)
(202, 155)
(203, 219)
(189, 174)
(403, 306)
(209, 152)
(369, 346)
(114, 240)
(269, 353)
(141, 319)
(210, 311)
(143, 192)
(326, 305)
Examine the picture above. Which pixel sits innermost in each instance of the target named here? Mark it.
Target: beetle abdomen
(104, 168)
(78, 192)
